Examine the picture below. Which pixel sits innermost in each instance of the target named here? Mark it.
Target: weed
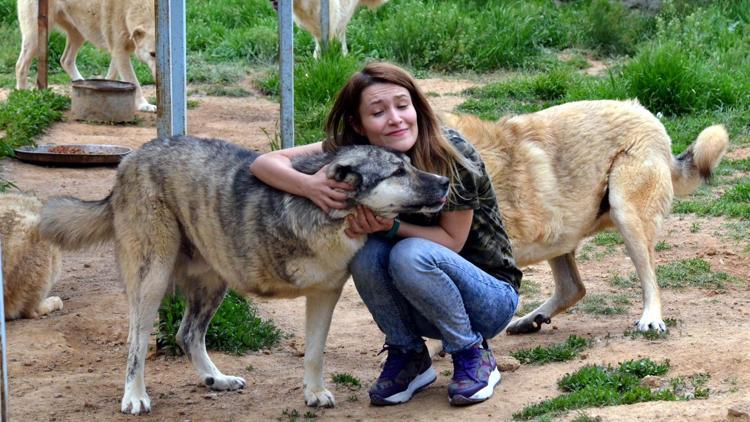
(446, 372)
(559, 352)
(691, 273)
(598, 385)
(527, 307)
(695, 227)
(652, 335)
(583, 417)
(346, 380)
(352, 398)
(249, 368)
(662, 245)
(608, 238)
(599, 304)
(235, 328)
(26, 114)
(624, 282)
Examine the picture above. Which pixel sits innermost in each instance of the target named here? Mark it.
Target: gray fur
(188, 210)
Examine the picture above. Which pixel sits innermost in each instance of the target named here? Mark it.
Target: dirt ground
(70, 365)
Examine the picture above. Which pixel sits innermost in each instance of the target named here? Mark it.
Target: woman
(449, 276)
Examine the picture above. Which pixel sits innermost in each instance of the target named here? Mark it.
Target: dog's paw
(651, 325)
(135, 404)
(148, 108)
(225, 382)
(319, 397)
(528, 325)
(50, 304)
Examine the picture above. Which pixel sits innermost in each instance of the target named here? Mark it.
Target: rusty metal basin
(103, 100)
(72, 154)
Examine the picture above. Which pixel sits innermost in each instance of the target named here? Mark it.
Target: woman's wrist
(394, 228)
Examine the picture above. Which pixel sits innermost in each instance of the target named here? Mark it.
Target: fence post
(286, 72)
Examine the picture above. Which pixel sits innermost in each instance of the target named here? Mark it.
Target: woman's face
(387, 117)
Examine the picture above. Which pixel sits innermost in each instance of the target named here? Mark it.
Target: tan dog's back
(30, 266)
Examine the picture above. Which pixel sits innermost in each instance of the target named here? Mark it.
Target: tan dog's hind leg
(203, 295)
(318, 314)
(568, 290)
(124, 67)
(640, 196)
(27, 17)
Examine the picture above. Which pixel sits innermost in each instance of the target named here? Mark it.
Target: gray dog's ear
(341, 172)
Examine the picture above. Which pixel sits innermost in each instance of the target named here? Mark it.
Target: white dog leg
(203, 297)
(125, 69)
(111, 71)
(318, 314)
(27, 18)
(73, 43)
(568, 290)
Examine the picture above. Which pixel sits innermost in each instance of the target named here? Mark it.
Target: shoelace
(466, 364)
(394, 363)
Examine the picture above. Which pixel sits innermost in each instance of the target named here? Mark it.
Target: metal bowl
(76, 154)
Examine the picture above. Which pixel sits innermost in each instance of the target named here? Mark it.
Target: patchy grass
(235, 328)
(662, 245)
(608, 238)
(623, 282)
(346, 380)
(693, 272)
(528, 306)
(598, 385)
(26, 114)
(600, 304)
(559, 352)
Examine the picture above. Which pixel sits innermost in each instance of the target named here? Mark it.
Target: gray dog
(188, 210)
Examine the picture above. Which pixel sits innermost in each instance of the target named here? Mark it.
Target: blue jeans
(417, 288)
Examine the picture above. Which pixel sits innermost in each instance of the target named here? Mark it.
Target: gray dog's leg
(146, 278)
(319, 311)
(203, 296)
(568, 290)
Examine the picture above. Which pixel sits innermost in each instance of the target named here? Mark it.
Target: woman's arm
(451, 231)
(275, 169)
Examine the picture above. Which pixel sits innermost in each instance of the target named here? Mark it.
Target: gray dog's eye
(400, 172)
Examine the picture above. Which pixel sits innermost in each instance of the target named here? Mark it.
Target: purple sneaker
(475, 376)
(405, 372)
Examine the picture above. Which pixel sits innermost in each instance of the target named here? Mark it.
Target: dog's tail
(699, 160)
(72, 223)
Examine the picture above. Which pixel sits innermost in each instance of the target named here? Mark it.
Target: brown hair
(431, 152)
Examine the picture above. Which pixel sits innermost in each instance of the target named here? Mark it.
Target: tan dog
(30, 265)
(340, 12)
(569, 171)
(121, 27)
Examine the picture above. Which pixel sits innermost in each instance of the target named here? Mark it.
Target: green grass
(235, 328)
(598, 385)
(662, 245)
(691, 273)
(528, 306)
(600, 304)
(346, 380)
(608, 238)
(559, 352)
(26, 114)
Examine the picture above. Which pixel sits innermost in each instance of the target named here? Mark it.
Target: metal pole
(170, 68)
(42, 44)
(4, 346)
(325, 25)
(286, 73)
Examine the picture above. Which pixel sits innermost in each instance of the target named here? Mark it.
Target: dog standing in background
(340, 12)
(569, 171)
(31, 266)
(120, 27)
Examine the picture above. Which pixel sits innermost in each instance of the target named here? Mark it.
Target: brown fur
(31, 266)
(569, 171)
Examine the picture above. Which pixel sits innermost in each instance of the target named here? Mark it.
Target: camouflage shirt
(487, 246)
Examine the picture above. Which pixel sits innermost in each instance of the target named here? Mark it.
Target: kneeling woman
(449, 276)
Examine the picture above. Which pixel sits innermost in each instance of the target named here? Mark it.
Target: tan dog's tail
(74, 224)
(699, 160)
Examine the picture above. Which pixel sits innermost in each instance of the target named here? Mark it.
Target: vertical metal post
(325, 25)
(286, 73)
(3, 394)
(170, 68)
(42, 43)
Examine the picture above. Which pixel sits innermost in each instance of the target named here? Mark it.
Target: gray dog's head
(386, 182)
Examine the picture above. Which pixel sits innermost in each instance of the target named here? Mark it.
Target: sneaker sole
(419, 383)
(481, 395)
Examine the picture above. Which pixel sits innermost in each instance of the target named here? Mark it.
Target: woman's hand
(326, 193)
(364, 221)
